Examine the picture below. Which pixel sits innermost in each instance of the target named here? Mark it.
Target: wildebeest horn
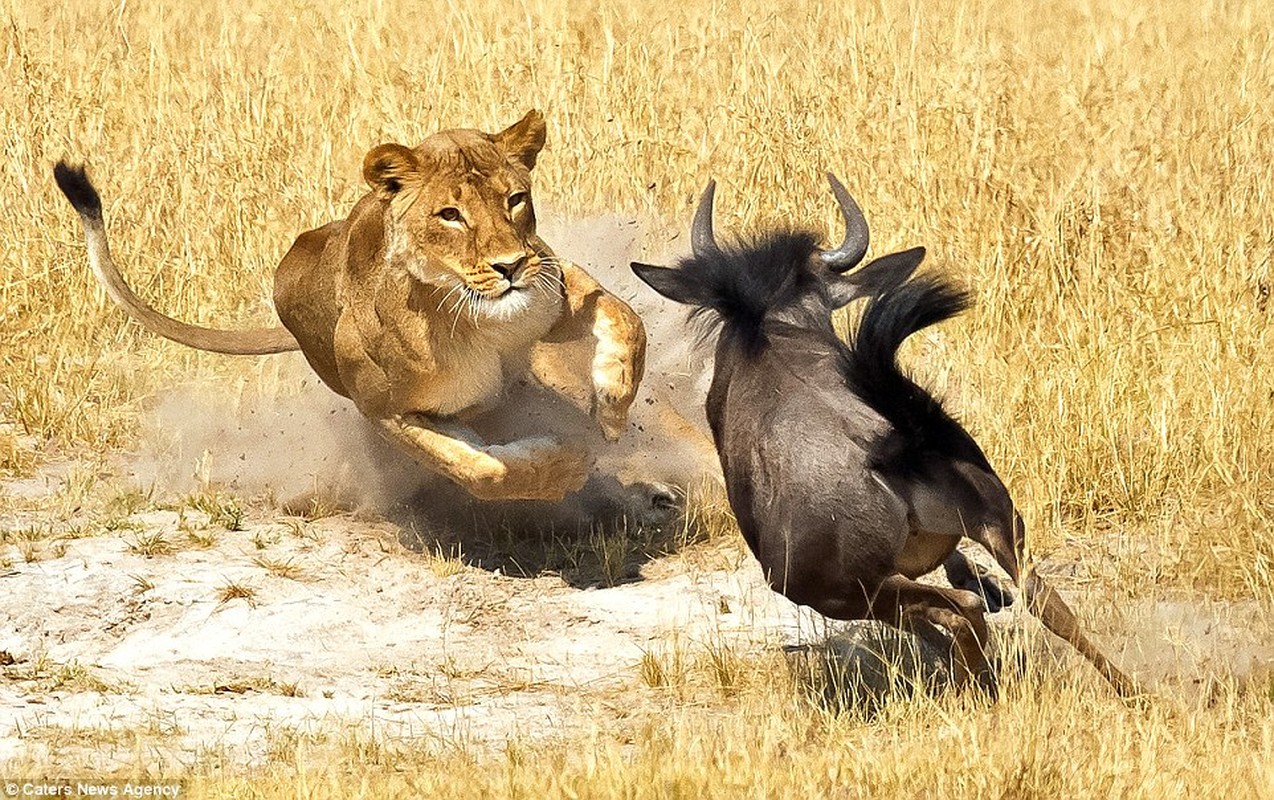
(852, 250)
(702, 241)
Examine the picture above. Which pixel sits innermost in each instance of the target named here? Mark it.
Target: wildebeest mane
(738, 284)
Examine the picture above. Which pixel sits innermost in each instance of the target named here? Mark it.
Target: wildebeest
(848, 479)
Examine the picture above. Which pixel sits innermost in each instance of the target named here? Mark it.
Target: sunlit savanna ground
(1101, 175)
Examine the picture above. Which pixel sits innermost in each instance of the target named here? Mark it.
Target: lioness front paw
(610, 409)
(615, 381)
(653, 504)
(534, 469)
(618, 365)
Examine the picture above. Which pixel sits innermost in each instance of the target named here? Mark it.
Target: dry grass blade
(151, 544)
(285, 568)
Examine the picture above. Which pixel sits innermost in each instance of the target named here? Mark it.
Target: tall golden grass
(765, 743)
(1101, 174)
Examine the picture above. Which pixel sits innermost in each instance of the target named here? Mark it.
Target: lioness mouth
(501, 293)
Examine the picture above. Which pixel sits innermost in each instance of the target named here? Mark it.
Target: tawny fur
(430, 300)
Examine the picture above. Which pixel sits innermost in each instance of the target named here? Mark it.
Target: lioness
(431, 299)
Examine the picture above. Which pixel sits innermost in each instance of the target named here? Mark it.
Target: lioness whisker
(458, 308)
(450, 292)
(554, 279)
(547, 283)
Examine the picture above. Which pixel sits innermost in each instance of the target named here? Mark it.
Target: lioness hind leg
(539, 468)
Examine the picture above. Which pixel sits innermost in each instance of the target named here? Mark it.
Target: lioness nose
(509, 269)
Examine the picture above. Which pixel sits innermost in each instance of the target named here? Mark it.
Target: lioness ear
(386, 167)
(524, 139)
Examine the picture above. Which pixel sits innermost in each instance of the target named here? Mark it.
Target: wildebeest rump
(848, 479)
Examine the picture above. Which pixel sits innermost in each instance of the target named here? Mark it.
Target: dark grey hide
(849, 480)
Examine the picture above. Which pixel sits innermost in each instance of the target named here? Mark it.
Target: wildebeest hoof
(1012, 662)
(867, 663)
(993, 593)
(988, 681)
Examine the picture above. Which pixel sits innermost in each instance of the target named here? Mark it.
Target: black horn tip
(854, 246)
(703, 211)
(702, 240)
(846, 200)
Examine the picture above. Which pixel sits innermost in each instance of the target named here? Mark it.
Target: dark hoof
(866, 665)
(993, 593)
(989, 683)
(1013, 662)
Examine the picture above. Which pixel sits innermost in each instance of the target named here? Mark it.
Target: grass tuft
(285, 568)
(151, 544)
(234, 590)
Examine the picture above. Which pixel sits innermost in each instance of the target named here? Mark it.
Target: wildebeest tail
(871, 366)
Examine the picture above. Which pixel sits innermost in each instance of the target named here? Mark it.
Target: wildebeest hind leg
(1006, 540)
(996, 525)
(900, 599)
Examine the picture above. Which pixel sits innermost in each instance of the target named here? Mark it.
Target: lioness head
(460, 216)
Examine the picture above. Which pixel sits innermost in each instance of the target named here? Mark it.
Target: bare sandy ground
(362, 636)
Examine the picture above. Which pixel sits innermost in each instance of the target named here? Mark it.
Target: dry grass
(282, 568)
(152, 543)
(445, 563)
(1107, 202)
(221, 510)
(43, 674)
(1100, 174)
(768, 741)
(234, 590)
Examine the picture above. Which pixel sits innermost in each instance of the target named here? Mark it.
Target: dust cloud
(304, 446)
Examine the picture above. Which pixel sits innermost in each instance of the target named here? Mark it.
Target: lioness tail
(75, 184)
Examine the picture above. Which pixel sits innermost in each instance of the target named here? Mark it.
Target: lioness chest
(421, 356)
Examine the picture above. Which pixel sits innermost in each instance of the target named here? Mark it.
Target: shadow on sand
(632, 509)
(599, 537)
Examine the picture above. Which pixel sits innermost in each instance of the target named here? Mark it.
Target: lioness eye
(450, 214)
(517, 199)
